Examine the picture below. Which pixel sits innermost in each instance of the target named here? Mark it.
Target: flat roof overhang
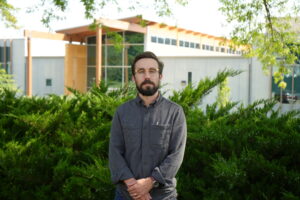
(78, 34)
(106, 25)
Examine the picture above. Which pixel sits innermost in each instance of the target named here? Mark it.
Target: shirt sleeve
(117, 164)
(167, 170)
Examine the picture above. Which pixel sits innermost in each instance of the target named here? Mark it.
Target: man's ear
(160, 76)
(133, 78)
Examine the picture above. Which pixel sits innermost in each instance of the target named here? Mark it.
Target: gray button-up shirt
(147, 141)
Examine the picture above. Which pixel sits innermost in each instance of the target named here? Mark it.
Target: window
(174, 42)
(223, 49)
(207, 47)
(203, 46)
(91, 76)
(211, 48)
(112, 36)
(92, 40)
(48, 82)
(217, 49)
(133, 37)
(192, 45)
(153, 39)
(167, 41)
(181, 43)
(91, 55)
(1, 54)
(186, 44)
(189, 77)
(7, 52)
(115, 62)
(291, 94)
(197, 46)
(160, 40)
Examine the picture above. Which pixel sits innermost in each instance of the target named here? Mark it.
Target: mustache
(147, 82)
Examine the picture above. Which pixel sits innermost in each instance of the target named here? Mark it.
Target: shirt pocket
(160, 135)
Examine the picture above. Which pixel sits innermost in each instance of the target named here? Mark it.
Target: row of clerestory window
(188, 44)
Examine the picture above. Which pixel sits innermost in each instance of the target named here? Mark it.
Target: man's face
(147, 77)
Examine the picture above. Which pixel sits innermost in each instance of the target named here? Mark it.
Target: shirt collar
(140, 101)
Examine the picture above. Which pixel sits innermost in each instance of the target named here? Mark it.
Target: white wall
(47, 68)
(44, 47)
(42, 67)
(261, 86)
(19, 64)
(177, 68)
(51, 66)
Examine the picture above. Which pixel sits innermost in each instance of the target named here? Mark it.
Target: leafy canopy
(54, 9)
(267, 28)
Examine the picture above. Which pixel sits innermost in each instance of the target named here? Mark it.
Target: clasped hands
(139, 189)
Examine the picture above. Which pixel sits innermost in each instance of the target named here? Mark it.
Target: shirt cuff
(156, 174)
(121, 176)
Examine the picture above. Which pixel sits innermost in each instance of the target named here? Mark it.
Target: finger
(131, 189)
(137, 197)
(132, 194)
(142, 198)
(130, 185)
(148, 197)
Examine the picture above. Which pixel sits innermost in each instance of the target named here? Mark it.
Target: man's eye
(141, 71)
(152, 71)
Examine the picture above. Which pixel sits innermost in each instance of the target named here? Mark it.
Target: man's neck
(149, 99)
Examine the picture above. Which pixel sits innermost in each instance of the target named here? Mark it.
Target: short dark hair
(147, 54)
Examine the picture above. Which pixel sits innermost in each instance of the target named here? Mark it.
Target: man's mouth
(148, 83)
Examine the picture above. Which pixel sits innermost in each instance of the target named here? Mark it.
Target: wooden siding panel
(76, 67)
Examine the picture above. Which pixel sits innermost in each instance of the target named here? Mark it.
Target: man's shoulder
(126, 105)
(171, 104)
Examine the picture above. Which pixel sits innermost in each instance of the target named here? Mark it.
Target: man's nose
(147, 75)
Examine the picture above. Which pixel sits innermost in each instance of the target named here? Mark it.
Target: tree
(6, 81)
(265, 27)
(7, 14)
(54, 9)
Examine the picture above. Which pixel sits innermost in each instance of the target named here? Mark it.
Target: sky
(199, 15)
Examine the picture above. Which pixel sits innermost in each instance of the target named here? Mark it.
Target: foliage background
(56, 147)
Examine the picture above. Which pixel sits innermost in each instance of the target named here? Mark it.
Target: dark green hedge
(56, 147)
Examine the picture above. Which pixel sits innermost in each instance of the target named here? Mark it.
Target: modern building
(47, 64)
(44, 63)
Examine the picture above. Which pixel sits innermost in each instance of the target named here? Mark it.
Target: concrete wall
(46, 48)
(44, 68)
(261, 83)
(19, 64)
(177, 68)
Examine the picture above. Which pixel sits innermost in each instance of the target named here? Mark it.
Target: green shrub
(248, 153)
(56, 147)
(6, 80)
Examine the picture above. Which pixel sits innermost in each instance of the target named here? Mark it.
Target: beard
(148, 91)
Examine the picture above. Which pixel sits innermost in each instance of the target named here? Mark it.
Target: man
(148, 137)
